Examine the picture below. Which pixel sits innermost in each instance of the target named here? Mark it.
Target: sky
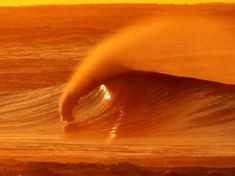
(42, 2)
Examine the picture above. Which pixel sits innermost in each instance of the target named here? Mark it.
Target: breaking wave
(168, 77)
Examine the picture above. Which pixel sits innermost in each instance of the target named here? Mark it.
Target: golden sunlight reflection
(113, 131)
(107, 95)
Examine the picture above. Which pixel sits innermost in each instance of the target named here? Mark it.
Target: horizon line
(116, 3)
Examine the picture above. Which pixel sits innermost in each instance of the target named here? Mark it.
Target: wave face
(140, 104)
(29, 109)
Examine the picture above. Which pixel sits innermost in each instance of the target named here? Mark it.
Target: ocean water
(134, 115)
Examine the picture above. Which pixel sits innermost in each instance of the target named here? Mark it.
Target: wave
(30, 110)
(141, 104)
(164, 76)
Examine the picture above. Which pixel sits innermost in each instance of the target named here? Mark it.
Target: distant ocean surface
(39, 49)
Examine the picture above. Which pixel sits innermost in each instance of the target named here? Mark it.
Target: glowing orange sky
(38, 2)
